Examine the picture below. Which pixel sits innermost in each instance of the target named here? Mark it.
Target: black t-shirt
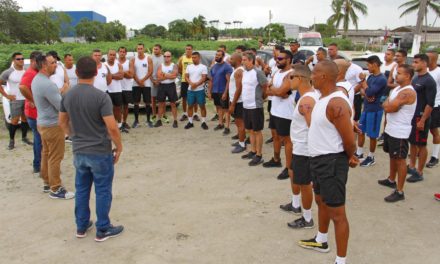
(426, 90)
(298, 57)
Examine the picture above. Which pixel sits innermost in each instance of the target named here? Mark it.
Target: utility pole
(270, 22)
(418, 31)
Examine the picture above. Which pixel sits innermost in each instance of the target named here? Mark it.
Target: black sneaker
(386, 182)
(256, 160)
(46, 188)
(359, 156)
(369, 161)
(196, 118)
(272, 164)
(301, 223)
(410, 171)
(433, 162)
(11, 145)
(238, 149)
(126, 126)
(112, 231)
(124, 130)
(204, 126)
(149, 124)
(83, 233)
(289, 208)
(235, 144)
(27, 141)
(416, 177)
(270, 140)
(36, 170)
(175, 124)
(219, 127)
(215, 118)
(61, 193)
(158, 123)
(189, 125)
(183, 118)
(313, 244)
(234, 137)
(135, 124)
(395, 197)
(226, 132)
(283, 175)
(249, 155)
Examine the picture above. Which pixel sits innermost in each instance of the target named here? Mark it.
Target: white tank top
(73, 79)
(323, 137)
(141, 69)
(126, 84)
(282, 107)
(100, 82)
(233, 87)
(350, 90)
(58, 76)
(299, 128)
(168, 69)
(115, 85)
(399, 123)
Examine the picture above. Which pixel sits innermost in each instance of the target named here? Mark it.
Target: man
(341, 83)
(182, 64)
(400, 59)
(371, 118)
(126, 84)
(86, 115)
(333, 52)
(157, 59)
(115, 87)
(103, 77)
(47, 98)
(70, 68)
(281, 113)
(253, 93)
(143, 70)
(240, 49)
(235, 89)
(12, 77)
(399, 109)
(434, 70)
(297, 57)
(166, 75)
(259, 63)
(426, 89)
(195, 76)
(321, 54)
(227, 57)
(354, 72)
(219, 75)
(60, 77)
(331, 146)
(29, 109)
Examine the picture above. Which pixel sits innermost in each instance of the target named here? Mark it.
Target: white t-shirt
(73, 79)
(58, 76)
(195, 73)
(352, 74)
(273, 68)
(100, 82)
(436, 75)
(167, 69)
(12, 78)
(349, 88)
(387, 68)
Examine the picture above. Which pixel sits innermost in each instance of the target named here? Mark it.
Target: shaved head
(329, 69)
(302, 70)
(343, 65)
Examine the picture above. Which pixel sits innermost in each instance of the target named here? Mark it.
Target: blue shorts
(370, 123)
(196, 97)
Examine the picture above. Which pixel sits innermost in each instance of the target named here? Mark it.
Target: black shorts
(301, 170)
(435, 118)
(224, 104)
(417, 137)
(397, 148)
(184, 89)
(238, 111)
(253, 119)
(269, 105)
(167, 90)
(141, 92)
(116, 98)
(127, 97)
(329, 174)
(281, 125)
(358, 101)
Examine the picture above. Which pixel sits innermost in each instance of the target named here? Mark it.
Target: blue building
(77, 16)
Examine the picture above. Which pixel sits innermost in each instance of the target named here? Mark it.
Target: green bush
(343, 44)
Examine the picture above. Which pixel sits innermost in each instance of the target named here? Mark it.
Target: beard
(218, 60)
(281, 66)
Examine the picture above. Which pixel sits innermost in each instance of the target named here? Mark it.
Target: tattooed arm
(405, 97)
(305, 108)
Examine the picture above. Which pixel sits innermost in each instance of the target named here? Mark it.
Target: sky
(138, 13)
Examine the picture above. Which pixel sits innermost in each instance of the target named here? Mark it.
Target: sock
(203, 120)
(295, 201)
(307, 214)
(12, 130)
(190, 119)
(148, 110)
(24, 129)
(119, 125)
(241, 144)
(136, 113)
(435, 150)
(359, 151)
(371, 154)
(321, 238)
(340, 260)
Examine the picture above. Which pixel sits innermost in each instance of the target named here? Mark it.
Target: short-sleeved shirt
(252, 90)
(12, 78)
(426, 90)
(195, 73)
(86, 107)
(377, 85)
(47, 99)
(28, 76)
(218, 74)
(436, 75)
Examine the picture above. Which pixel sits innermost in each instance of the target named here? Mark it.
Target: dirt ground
(184, 198)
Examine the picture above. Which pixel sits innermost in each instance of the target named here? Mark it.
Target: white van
(312, 40)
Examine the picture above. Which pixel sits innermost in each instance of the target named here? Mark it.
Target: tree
(326, 30)
(154, 31)
(198, 27)
(114, 31)
(9, 11)
(414, 5)
(344, 11)
(91, 30)
(277, 32)
(179, 29)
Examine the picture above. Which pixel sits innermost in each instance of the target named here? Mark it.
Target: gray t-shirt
(157, 61)
(47, 99)
(86, 107)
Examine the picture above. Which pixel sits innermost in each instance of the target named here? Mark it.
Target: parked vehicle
(310, 39)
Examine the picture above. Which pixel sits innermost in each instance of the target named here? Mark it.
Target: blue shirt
(218, 74)
(377, 85)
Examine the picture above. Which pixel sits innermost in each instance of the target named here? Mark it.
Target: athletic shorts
(269, 105)
(16, 108)
(127, 97)
(184, 89)
(397, 148)
(281, 125)
(238, 111)
(116, 98)
(435, 117)
(358, 102)
(141, 93)
(301, 170)
(253, 119)
(167, 90)
(224, 104)
(329, 175)
(196, 97)
(370, 123)
(417, 137)
(154, 90)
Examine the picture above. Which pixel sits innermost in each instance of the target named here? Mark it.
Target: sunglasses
(167, 56)
(281, 58)
(297, 76)
(19, 59)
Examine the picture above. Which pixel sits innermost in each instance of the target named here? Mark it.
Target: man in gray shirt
(157, 61)
(47, 99)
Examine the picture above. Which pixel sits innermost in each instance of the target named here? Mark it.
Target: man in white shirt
(434, 70)
(70, 68)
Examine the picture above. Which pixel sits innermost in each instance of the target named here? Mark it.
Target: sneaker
(124, 130)
(437, 196)
(272, 164)
(433, 162)
(256, 160)
(247, 141)
(46, 188)
(395, 197)
(283, 175)
(234, 137)
(189, 125)
(249, 155)
(411, 171)
(289, 208)
(380, 144)
(61, 193)
(68, 140)
(380, 139)
(215, 118)
(235, 144)
(126, 126)
(301, 223)
(416, 177)
(204, 126)
(27, 141)
(226, 132)
(135, 124)
(369, 161)
(36, 170)
(238, 149)
(165, 119)
(386, 182)
(158, 123)
(360, 157)
(313, 244)
(11, 145)
(83, 233)
(183, 118)
(270, 140)
(112, 231)
(149, 124)
(219, 127)
(196, 118)
(175, 124)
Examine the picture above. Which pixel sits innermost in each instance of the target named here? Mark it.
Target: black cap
(53, 54)
(374, 59)
(294, 42)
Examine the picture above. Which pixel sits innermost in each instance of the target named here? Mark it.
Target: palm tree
(344, 11)
(413, 6)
